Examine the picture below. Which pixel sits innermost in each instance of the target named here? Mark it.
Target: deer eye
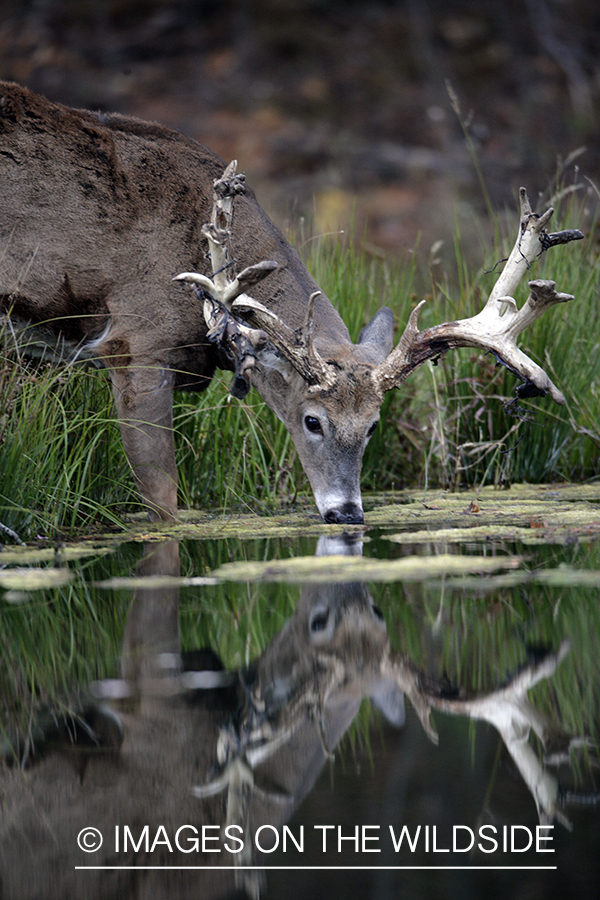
(319, 621)
(313, 425)
(372, 429)
(377, 613)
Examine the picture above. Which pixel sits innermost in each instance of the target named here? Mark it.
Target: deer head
(328, 391)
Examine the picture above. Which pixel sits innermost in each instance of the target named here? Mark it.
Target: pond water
(246, 706)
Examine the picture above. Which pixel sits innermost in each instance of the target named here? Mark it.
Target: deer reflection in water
(227, 751)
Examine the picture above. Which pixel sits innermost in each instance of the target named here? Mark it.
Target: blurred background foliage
(338, 108)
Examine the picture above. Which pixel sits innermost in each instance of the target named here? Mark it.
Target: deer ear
(389, 700)
(379, 333)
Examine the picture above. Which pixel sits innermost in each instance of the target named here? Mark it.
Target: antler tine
(507, 708)
(402, 360)
(497, 326)
(219, 292)
(218, 230)
(296, 346)
(324, 371)
(222, 287)
(510, 712)
(402, 671)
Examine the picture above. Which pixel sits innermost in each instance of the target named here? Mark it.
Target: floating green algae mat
(354, 568)
(525, 506)
(520, 504)
(32, 555)
(33, 579)
(542, 511)
(196, 525)
(530, 514)
(535, 533)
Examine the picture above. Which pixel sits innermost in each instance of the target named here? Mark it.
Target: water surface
(242, 681)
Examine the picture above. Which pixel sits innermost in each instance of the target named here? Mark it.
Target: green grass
(233, 453)
(543, 441)
(62, 465)
(63, 470)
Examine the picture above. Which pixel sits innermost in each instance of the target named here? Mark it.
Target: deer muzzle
(344, 514)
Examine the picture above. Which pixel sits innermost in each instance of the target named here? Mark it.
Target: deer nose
(347, 514)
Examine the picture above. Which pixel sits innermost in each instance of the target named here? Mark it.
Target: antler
(511, 713)
(221, 286)
(219, 292)
(296, 346)
(223, 296)
(497, 326)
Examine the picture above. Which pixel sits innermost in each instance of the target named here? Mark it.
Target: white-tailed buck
(99, 214)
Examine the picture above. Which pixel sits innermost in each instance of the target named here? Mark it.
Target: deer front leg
(144, 399)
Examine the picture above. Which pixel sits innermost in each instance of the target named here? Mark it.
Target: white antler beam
(497, 326)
